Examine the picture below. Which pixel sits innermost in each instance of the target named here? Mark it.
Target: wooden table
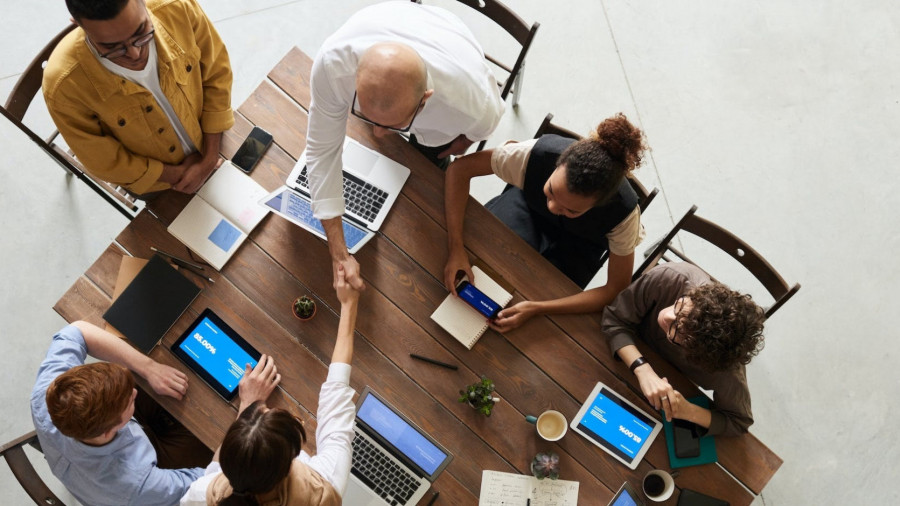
(551, 362)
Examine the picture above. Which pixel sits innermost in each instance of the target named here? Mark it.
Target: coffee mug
(658, 485)
(551, 425)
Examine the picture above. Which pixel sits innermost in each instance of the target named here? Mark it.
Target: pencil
(433, 498)
(433, 361)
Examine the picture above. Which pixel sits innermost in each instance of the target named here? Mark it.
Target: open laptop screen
(404, 436)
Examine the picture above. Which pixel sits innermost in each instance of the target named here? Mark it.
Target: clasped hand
(660, 393)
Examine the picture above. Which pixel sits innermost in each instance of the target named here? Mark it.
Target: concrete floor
(756, 112)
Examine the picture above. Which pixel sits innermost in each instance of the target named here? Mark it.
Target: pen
(185, 264)
(179, 261)
(433, 361)
(433, 498)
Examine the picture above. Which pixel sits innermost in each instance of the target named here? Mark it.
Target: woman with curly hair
(706, 330)
(569, 200)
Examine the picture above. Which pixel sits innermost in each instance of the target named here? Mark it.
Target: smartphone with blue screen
(477, 299)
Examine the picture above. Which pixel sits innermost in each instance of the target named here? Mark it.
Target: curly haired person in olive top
(706, 330)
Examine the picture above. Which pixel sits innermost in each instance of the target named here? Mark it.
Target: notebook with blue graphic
(218, 219)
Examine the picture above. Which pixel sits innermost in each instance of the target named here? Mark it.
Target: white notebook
(461, 320)
(498, 489)
(218, 219)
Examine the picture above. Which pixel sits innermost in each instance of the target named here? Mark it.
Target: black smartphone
(687, 439)
(252, 150)
(477, 299)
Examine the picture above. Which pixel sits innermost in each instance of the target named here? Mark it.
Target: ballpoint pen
(195, 268)
(433, 361)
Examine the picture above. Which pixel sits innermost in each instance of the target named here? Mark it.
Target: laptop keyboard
(361, 198)
(381, 474)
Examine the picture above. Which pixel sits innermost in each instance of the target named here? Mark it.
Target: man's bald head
(390, 76)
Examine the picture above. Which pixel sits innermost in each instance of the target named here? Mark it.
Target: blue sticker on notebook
(224, 235)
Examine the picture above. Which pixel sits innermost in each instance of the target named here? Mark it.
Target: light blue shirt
(121, 472)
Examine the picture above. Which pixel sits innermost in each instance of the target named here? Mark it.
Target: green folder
(707, 443)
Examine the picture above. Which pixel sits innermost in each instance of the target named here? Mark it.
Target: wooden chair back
(17, 105)
(520, 31)
(644, 197)
(736, 248)
(14, 455)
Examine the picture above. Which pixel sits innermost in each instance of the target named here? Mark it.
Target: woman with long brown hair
(261, 461)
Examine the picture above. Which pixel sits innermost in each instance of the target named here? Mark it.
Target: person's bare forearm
(211, 145)
(456, 196)
(334, 231)
(107, 347)
(343, 346)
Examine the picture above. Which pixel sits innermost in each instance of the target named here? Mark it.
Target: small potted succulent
(480, 396)
(545, 465)
(304, 308)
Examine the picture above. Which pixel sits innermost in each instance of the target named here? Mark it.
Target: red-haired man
(83, 417)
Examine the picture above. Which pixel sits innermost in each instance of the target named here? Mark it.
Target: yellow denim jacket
(115, 127)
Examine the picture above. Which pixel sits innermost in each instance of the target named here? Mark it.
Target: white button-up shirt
(466, 99)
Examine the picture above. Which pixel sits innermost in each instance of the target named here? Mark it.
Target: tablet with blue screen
(616, 425)
(626, 496)
(297, 209)
(216, 353)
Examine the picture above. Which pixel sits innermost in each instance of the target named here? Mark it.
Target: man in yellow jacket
(141, 92)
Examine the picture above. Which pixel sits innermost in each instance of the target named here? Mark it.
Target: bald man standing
(401, 67)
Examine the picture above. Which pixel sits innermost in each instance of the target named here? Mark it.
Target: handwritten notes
(506, 489)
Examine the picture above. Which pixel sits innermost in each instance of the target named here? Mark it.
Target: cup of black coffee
(658, 485)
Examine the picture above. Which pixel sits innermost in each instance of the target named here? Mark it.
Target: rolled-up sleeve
(622, 317)
(625, 237)
(217, 115)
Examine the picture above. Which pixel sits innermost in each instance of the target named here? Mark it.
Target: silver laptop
(372, 182)
(394, 461)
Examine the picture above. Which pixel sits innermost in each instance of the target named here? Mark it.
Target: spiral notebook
(461, 320)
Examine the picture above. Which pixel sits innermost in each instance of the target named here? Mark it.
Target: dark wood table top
(551, 362)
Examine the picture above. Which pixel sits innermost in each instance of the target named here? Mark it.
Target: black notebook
(151, 304)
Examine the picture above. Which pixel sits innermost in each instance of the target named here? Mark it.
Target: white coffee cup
(668, 485)
(551, 425)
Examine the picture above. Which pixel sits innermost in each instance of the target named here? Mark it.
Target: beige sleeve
(625, 237)
(510, 160)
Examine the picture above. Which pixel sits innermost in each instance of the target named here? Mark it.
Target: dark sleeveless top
(591, 226)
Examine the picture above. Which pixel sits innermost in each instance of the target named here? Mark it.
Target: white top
(148, 78)
(510, 161)
(466, 97)
(334, 438)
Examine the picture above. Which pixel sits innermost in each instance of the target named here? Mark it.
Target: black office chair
(519, 30)
(644, 197)
(739, 250)
(14, 455)
(17, 104)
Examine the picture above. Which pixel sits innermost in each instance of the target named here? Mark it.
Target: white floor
(777, 119)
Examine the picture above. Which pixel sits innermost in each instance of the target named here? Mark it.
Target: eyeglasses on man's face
(138, 42)
(677, 326)
(354, 110)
